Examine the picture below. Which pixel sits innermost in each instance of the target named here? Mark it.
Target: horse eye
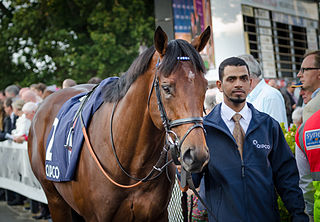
(166, 89)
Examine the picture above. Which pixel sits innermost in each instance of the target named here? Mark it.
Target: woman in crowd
(23, 123)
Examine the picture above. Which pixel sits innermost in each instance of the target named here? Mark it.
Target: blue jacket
(238, 190)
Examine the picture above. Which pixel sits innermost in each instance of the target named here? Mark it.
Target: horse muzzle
(194, 159)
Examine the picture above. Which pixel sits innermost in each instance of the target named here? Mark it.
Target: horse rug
(65, 138)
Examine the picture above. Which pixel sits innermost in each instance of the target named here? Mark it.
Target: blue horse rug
(65, 138)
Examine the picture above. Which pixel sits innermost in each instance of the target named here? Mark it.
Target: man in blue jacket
(242, 181)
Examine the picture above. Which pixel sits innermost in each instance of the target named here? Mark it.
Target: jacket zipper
(242, 164)
(244, 184)
(242, 168)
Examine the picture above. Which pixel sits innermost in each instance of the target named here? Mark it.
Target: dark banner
(191, 17)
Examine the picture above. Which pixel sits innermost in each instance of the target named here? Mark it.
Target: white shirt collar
(315, 93)
(229, 113)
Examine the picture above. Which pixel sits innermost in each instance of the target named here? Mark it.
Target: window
(278, 41)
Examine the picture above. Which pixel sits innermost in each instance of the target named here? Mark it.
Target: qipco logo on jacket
(260, 145)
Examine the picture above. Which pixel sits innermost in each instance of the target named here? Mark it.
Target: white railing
(16, 175)
(15, 171)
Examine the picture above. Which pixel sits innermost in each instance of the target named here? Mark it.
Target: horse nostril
(188, 157)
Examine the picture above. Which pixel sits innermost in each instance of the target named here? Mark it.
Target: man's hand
(178, 168)
(19, 139)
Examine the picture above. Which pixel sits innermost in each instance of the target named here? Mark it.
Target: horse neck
(132, 122)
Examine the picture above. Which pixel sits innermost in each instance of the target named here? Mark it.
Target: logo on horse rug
(65, 138)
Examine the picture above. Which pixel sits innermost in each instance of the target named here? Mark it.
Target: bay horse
(158, 101)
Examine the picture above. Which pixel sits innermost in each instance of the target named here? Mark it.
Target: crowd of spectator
(17, 109)
(283, 100)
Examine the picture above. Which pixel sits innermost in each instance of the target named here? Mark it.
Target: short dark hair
(8, 102)
(94, 80)
(40, 86)
(232, 61)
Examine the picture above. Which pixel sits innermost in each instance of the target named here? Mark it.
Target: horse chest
(142, 207)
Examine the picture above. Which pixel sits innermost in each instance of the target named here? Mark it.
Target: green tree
(50, 40)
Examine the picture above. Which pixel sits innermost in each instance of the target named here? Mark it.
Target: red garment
(308, 140)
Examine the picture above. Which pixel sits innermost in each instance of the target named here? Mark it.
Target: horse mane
(116, 90)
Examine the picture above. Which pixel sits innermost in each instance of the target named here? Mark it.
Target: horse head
(180, 88)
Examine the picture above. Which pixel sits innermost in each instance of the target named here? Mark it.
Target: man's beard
(237, 100)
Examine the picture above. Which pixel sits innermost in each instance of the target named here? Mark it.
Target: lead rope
(189, 181)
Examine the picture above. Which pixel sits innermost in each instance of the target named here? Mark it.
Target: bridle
(174, 144)
(171, 143)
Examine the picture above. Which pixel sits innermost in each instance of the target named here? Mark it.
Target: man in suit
(9, 120)
(249, 157)
(309, 75)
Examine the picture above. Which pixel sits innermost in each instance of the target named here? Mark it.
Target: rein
(157, 167)
(163, 157)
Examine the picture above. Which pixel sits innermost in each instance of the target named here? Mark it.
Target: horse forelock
(180, 48)
(176, 48)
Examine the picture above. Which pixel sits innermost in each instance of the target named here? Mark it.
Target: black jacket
(8, 126)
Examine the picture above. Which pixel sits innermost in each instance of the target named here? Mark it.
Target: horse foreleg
(59, 209)
(76, 217)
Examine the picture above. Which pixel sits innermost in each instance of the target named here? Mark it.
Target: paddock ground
(16, 214)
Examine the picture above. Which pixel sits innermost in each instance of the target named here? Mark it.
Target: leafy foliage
(289, 135)
(284, 214)
(50, 40)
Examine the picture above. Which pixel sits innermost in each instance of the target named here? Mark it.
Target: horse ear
(200, 42)
(160, 41)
